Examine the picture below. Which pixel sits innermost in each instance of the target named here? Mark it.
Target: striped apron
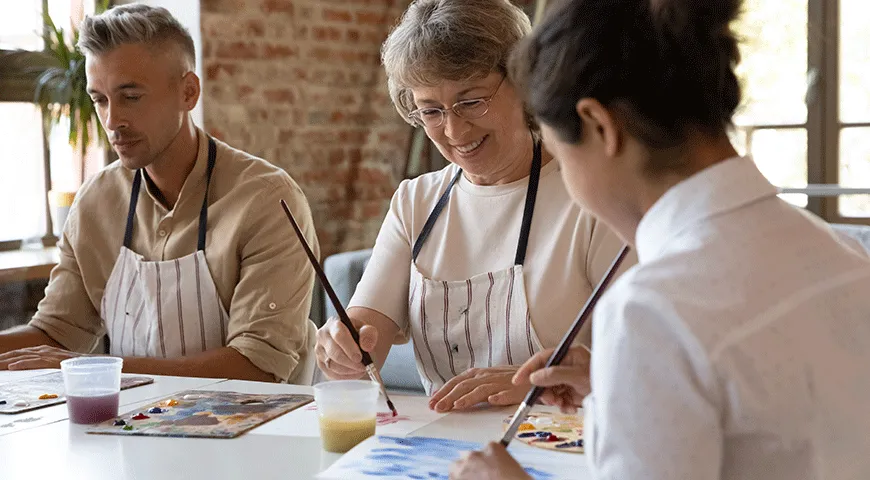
(482, 321)
(163, 308)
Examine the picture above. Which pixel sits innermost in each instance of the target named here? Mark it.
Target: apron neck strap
(203, 212)
(528, 212)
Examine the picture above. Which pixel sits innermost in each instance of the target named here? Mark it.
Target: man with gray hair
(209, 281)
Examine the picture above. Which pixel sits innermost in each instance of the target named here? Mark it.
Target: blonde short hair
(454, 40)
(134, 24)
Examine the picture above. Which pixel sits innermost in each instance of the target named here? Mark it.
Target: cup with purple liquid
(92, 386)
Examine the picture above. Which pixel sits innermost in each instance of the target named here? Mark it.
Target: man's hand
(476, 385)
(31, 358)
(492, 463)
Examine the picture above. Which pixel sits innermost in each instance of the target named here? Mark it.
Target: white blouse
(738, 348)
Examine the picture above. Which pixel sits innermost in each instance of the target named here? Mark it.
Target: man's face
(139, 95)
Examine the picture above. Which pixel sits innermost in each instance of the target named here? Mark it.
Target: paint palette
(45, 390)
(202, 414)
(551, 430)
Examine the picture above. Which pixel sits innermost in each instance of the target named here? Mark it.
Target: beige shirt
(568, 253)
(259, 268)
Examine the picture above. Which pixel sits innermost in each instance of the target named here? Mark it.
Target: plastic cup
(92, 386)
(347, 411)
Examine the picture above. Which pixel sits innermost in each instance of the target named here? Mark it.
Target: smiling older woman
(483, 263)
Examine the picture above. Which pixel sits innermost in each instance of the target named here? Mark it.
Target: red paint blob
(141, 416)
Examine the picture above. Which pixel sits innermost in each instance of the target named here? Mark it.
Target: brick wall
(299, 83)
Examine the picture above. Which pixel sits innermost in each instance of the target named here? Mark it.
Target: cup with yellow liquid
(347, 410)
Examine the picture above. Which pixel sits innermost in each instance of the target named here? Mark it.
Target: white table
(275, 450)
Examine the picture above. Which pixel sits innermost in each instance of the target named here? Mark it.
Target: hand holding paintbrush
(564, 347)
(371, 369)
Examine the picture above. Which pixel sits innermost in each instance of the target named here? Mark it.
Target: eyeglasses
(473, 108)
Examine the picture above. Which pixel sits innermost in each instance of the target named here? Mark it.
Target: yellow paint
(47, 396)
(526, 427)
(171, 402)
(340, 435)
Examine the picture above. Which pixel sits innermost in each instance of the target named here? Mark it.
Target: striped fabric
(483, 321)
(164, 308)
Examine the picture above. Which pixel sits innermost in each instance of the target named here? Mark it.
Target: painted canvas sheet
(201, 413)
(419, 458)
(27, 392)
(413, 415)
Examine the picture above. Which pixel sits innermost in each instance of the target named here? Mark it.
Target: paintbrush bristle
(392, 407)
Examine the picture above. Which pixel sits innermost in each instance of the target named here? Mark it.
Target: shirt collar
(195, 180)
(717, 189)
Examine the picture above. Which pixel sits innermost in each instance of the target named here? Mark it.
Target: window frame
(17, 88)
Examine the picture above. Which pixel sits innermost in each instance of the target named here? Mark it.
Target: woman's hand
(494, 385)
(492, 463)
(566, 384)
(338, 355)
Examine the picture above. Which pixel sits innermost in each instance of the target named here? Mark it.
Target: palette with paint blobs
(202, 414)
(45, 390)
(551, 430)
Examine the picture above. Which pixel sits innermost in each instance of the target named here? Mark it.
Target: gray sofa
(344, 271)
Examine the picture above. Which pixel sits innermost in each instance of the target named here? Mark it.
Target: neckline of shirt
(717, 189)
(495, 190)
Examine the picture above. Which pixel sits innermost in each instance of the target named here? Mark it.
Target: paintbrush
(371, 369)
(562, 350)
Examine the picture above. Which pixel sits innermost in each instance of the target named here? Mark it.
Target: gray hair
(134, 24)
(456, 40)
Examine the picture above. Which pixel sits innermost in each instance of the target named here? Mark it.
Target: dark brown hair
(665, 67)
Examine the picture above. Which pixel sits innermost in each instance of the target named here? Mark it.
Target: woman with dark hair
(738, 346)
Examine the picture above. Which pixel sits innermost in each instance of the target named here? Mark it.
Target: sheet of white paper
(413, 415)
(418, 458)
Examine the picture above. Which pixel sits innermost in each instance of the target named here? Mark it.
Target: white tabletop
(282, 449)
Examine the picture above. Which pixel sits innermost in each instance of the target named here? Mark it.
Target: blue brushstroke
(539, 474)
(421, 458)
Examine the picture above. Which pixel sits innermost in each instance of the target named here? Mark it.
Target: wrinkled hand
(337, 354)
(494, 385)
(492, 463)
(566, 384)
(32, 358)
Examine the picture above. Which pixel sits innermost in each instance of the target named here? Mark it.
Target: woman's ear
(599, 126)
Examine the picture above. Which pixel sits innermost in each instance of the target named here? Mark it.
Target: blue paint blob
(153, 410)
(528, 435)
(2, 402)
(119, 423)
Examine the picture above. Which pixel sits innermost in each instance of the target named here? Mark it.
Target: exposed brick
(299, 83)
(325, 34)
(278, 6)
(271, 51)
(217, 71)
(279, 95)
(240, 50)
(373, 18)
(335, 15)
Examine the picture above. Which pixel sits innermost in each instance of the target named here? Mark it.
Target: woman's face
(490, 148)
(600, 171)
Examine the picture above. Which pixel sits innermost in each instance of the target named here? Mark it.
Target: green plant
(61, 87)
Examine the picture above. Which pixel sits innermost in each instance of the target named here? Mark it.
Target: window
(805, 117)
(23, 161)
